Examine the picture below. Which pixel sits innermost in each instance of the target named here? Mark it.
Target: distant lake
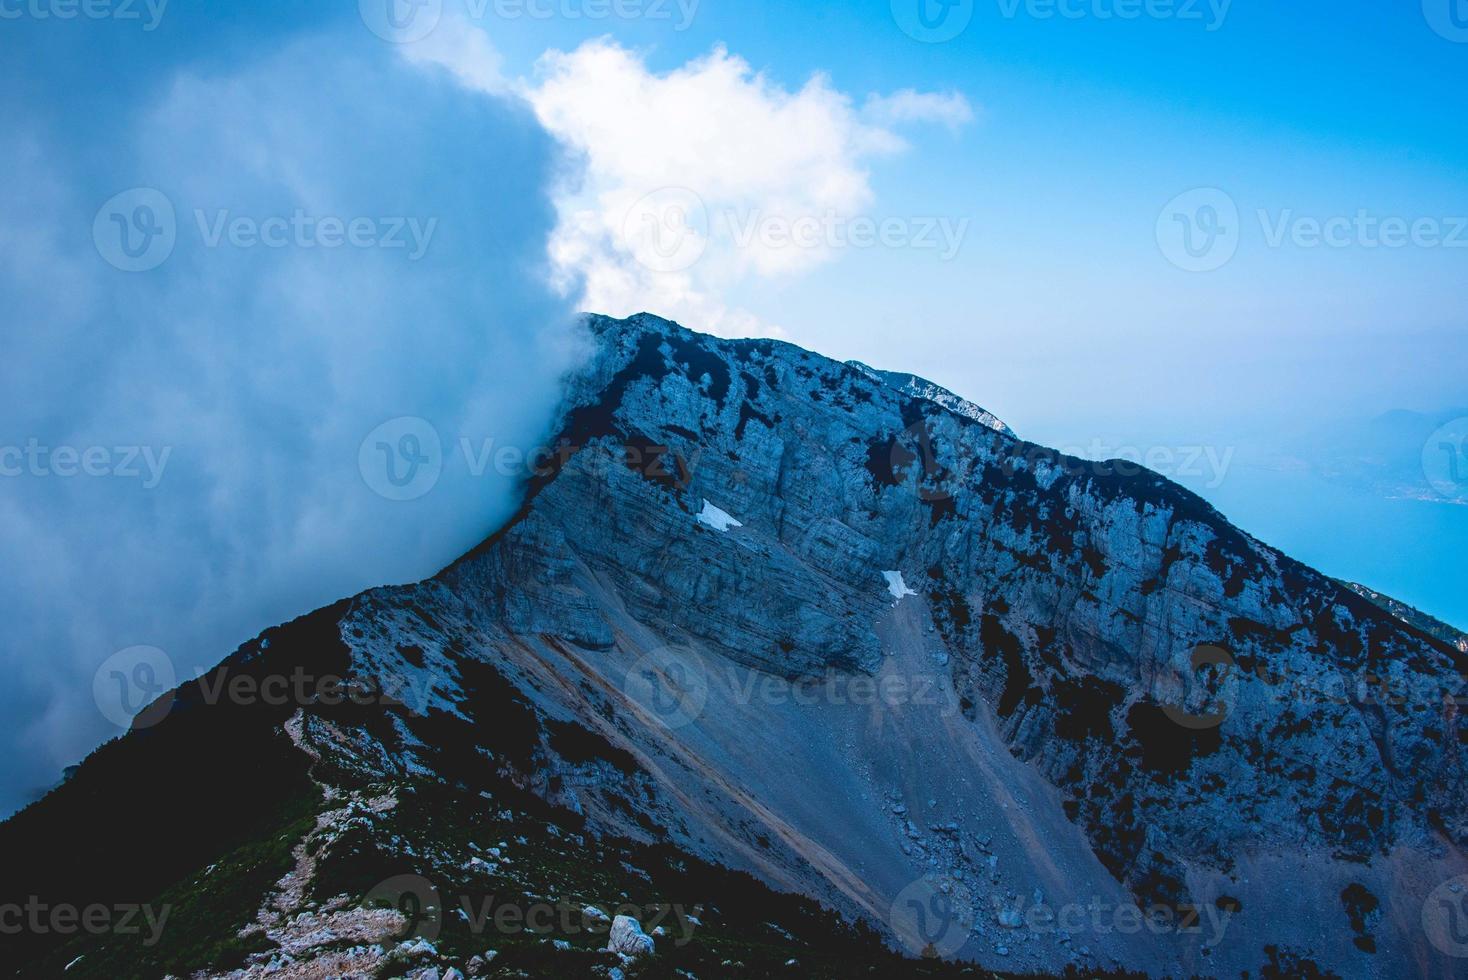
(1412, 550)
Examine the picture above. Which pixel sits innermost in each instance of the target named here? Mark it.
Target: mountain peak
(923, 388)
(906, 383)
(825, 627)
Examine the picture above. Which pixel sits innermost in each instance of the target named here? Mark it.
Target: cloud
(704, 177)
(465, 52)
(951, 109)
(691, 182)
(250, 365)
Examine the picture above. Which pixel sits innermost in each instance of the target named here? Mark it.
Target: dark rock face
(927, 658)
(1066, 602)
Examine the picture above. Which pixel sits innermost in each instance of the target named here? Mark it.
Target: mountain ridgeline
(829, 663)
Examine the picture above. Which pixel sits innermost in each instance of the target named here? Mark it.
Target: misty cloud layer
(356, 240)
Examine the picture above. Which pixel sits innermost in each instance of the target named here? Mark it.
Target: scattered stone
(418, 947)
(628, 939)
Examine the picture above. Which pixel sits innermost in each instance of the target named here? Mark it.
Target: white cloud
(693, 181)
(465, 52)
(911, 106)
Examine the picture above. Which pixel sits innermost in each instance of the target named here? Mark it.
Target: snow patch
(896, 585)
(716, 519)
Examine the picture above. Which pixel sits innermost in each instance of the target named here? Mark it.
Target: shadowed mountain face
(840, 630)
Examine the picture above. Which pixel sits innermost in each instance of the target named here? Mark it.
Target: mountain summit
(832, 668)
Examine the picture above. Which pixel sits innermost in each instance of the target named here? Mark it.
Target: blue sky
(1072, 160)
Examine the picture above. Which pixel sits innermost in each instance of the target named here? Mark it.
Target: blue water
(1412, 550)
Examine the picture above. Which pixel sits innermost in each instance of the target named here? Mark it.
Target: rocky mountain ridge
(981, 698)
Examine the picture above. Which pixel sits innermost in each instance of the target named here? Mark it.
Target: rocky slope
(1413, 617)
(840, 631)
